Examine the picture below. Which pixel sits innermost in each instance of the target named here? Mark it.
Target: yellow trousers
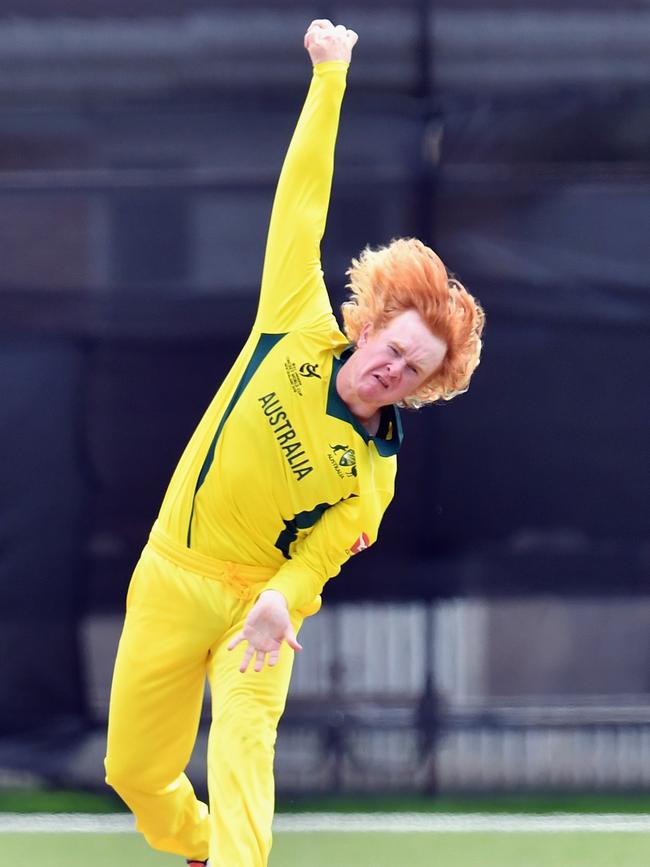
(177, 627)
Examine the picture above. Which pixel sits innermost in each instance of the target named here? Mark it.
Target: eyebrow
(400, 346)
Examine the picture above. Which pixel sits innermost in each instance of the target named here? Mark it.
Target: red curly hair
(407, 275)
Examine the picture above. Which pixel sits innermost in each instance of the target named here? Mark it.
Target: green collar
(389, 436)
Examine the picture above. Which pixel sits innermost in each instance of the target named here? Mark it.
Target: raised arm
(293, 292)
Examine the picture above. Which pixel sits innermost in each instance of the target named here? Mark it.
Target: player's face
(393, 363)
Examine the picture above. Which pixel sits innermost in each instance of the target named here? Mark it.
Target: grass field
(67, 801)
(494, 849)
(297, 846)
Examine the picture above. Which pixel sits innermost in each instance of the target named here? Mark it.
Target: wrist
(274, 596)
(326, 65)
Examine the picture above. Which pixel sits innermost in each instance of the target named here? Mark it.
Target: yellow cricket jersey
(279, 473)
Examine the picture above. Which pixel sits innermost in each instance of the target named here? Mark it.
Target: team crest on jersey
(343, 459)
(307, 369)
(361, 544)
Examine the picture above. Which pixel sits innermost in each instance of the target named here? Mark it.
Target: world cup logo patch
(308, 369)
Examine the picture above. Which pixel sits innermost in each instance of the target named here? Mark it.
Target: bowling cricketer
(287, 475)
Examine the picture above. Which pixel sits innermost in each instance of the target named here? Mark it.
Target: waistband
(243, 580)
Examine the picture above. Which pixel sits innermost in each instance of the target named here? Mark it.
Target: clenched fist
(325, 42)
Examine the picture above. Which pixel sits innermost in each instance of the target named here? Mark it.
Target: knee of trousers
(126, 774)
(117, 775)
(236, 736)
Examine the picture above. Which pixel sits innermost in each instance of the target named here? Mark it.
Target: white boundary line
(360, 822)
(461, 822)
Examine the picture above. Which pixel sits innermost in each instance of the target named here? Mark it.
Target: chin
(373, 393)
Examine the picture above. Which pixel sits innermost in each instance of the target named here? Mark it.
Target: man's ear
(364, 334)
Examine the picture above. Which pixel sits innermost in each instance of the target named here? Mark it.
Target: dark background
(139, 148)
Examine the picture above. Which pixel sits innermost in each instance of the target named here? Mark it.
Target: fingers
(248, 655)
(321, 23)
(271, 657)
(236, 640)
(290, 638)
(260, 658)
(323, 26)
(349, 36)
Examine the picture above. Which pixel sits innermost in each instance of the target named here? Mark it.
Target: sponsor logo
(361, 544)
(308, 369)
(343, 459)
(285, 435)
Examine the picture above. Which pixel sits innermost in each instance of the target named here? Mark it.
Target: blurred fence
(489, 750)
(415, 698)
(442, 699)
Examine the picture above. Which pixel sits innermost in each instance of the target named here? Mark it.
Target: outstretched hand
(266, 627)
(325, 42)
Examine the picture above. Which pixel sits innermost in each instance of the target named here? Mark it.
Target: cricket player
(287, 475)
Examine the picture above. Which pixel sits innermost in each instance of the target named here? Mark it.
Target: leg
(156, 702)
(246, 709)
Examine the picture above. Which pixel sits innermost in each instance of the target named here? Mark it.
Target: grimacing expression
(393, 362)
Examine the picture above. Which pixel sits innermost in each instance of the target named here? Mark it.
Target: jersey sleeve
(345, 529)
(293, 292)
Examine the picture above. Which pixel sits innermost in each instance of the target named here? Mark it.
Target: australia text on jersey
(294, 452)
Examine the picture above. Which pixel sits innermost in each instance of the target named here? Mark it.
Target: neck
(371, 423)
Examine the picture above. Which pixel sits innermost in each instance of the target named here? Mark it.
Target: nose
(394, 368)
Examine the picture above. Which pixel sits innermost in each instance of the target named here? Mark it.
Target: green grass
(350, 850)
(58, 801)
(64, 801)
